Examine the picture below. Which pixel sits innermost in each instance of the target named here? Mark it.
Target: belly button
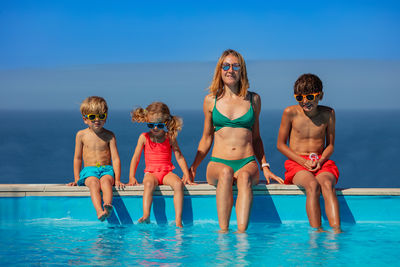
(234, 148)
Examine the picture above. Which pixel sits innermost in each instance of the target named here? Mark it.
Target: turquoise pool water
(74, 242)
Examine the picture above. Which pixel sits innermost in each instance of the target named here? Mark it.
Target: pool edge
(23, 190)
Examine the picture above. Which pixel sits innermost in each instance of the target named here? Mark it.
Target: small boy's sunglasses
(159, 125)
(309, 97)
(227, 66)
(92, 117)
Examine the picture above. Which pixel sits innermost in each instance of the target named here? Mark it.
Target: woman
(231, 121)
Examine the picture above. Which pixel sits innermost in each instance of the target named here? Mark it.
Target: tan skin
(232, 144)
(97, 146)
(310, 128)
(150, 181)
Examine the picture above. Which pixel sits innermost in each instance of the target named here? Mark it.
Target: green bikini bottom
(234, 164)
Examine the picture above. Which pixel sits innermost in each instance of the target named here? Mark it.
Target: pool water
(75, 242)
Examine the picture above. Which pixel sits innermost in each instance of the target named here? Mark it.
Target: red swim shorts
(293, 167)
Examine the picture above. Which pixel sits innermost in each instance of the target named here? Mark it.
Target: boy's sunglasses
(227, 66)
(309, 97)
(92, 117)
(159, 125)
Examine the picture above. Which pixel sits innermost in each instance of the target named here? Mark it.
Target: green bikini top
(245, 121)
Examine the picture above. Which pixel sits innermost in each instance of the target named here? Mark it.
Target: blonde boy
(97, 147)
(310, 130)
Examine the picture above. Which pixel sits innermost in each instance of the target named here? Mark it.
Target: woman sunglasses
(309, 97)
(92, 117)
(227, 66)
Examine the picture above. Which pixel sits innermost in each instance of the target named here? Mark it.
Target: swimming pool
(73, 242)
(37, 228)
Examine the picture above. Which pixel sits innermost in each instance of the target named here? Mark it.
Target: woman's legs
(246, 177)
(221, 175)
(149, 182)
(176, 184)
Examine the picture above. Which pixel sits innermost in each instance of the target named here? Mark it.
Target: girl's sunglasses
(159, 125)
(92, 117)
(227, 66)
(309, 97)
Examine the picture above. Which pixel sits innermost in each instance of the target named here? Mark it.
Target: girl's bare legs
(176, 184)
(247, 176)
(106, 186)
(221, 175)
(94, 187)
(149, 182)
(327, 181)
(313, 191)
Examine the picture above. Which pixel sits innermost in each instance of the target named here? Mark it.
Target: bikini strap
(251, 99)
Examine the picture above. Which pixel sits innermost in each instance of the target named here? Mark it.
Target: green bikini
(246, 121)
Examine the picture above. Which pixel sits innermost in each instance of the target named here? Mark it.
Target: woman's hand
(192, 172)
(72, 184)
(188, 179)
(132, 181)
(269, 175)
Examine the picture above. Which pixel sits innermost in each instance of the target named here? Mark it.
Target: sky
(134, 52)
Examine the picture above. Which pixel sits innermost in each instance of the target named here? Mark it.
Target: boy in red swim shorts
(309, 129)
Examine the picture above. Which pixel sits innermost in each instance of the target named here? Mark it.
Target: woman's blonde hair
(217, 86)
(174, 123)
(93, 105)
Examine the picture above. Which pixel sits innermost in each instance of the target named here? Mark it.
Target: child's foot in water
(108, 208)
(179, 223)
(144, 219)
(101, 215)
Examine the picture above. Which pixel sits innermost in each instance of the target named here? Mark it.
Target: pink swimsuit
(157, 157)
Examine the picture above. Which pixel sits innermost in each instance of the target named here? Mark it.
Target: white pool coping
(24, 190)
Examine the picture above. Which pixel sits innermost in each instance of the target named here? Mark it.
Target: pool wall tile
(271, 203)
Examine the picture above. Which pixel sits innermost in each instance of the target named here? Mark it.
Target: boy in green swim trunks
(98, 149)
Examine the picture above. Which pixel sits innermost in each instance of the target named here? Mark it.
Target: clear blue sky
(64, 32)
(42, 38)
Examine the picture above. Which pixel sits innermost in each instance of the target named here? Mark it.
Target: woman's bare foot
(337, 230)
(144, 219)
(320, 230)
(108, 209)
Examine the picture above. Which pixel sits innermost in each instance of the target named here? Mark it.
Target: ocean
(38, 146)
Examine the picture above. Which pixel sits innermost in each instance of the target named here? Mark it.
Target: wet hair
(217, 85)
(308, 83)
(174, 123)
(93, 105)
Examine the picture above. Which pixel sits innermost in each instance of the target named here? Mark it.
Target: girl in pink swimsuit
(158, 145)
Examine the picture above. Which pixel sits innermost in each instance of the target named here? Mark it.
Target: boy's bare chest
(305, 127)
(95, 143)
